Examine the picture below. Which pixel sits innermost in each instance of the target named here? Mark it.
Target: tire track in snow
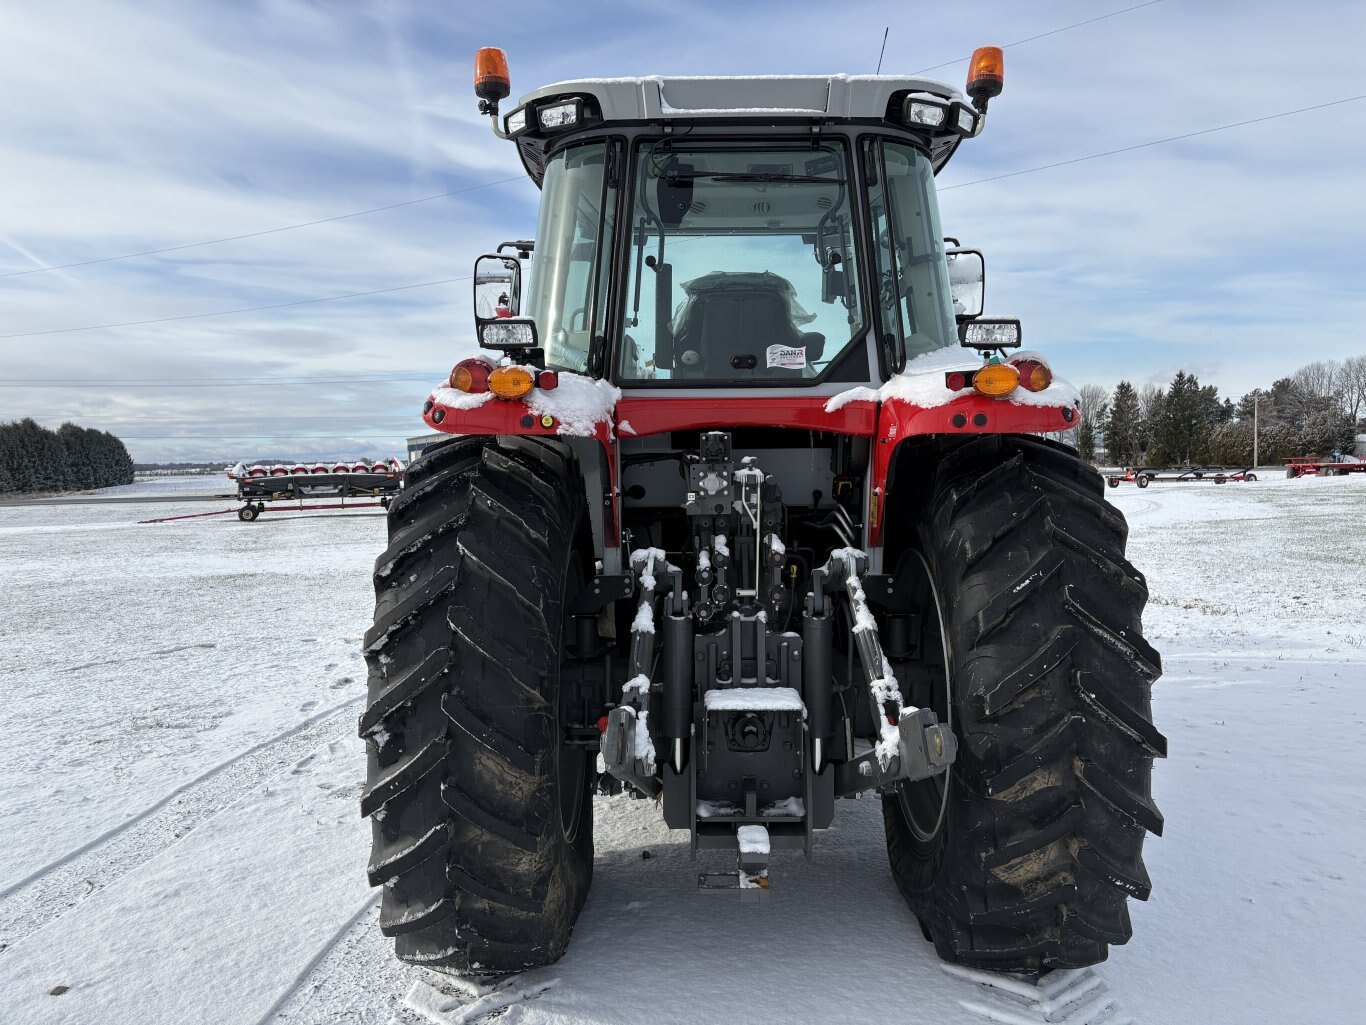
(337, 938)
(1139, 507)
(1068, 997)
(356, 979)
(65, 882)
(453, 1001)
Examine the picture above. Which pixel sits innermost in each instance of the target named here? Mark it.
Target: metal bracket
(927, 747)
(751, 878)
(601, 591)
(619, 751)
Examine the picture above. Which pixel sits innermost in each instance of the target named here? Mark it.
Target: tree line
(34, 458)
(1316, 411)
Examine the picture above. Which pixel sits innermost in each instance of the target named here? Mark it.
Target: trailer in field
(378, 481)
(1312, 466)
(1145, 475)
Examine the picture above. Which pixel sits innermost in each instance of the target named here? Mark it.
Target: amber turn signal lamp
(491, 78)
(986, 75)
(511, 382)
(996, 380)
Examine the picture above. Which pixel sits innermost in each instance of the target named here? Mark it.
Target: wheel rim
(924, 804)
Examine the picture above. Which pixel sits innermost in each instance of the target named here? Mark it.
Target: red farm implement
(1312, 466)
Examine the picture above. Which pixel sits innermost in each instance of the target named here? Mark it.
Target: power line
(224, 438)
(245, 309)
(1042, 35)
(258, 383)
(105, 418)
(257, 234)
(1154, 142)
(472, 188)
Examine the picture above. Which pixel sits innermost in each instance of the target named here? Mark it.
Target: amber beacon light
(986, 75)
(491, 79)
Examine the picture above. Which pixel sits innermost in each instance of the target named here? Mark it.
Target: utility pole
(1255, 399)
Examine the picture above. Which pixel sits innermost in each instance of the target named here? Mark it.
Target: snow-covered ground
(181, 842)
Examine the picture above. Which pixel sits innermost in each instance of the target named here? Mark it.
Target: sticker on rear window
(786, 357)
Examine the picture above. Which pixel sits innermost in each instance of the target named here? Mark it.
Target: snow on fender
(578, 404)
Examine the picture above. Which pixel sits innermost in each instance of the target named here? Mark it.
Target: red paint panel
(658, 414)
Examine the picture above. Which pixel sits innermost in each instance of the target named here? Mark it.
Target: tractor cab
(764, 233)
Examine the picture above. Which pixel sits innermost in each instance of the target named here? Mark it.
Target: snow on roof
(828, 96)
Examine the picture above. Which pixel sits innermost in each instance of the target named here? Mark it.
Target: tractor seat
(740, 326)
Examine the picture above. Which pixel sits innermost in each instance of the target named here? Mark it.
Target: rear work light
(930, 114)
(507, 334)
(511, 382)
(471, 375)
(560, 115)
(515, 123)
(1034, 374)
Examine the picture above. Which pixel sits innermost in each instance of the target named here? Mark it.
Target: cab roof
(656, 98)
(741, 99)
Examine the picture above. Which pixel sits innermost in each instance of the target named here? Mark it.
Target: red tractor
(748, 512)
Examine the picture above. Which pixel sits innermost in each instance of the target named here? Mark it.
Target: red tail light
(471, 375)
(547, 380)
(957, 380)
(1034, 374)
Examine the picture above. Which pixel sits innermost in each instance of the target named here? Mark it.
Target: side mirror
(990, 334)
(497, 303)
(967, 282)
(497, 287)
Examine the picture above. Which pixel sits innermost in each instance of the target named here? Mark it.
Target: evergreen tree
(1122, 426)
(33, 458)
(1182, 426)
(81, 454)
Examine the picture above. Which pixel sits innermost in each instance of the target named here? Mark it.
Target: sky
(135, 126)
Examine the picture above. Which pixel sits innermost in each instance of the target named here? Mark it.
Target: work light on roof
(560, 115)
(515, 123)
(919, 112)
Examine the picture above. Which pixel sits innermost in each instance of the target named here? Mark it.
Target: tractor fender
(899, 420)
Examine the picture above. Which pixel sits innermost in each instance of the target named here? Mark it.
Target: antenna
(883, 51)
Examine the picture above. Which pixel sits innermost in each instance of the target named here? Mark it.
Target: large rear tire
(1033, 634)
(482, 817)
